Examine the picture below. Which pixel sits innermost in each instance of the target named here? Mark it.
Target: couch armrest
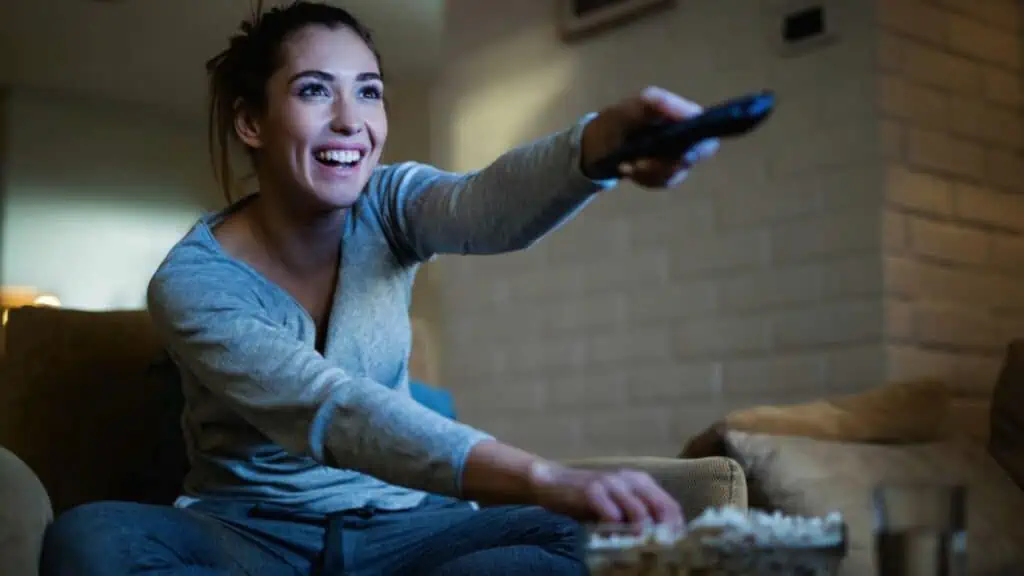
(697, 484)
(25, 512)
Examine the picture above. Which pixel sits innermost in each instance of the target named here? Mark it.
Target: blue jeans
(441, 537)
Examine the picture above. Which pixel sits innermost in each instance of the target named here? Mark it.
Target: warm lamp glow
(47, 300)
(17, 296)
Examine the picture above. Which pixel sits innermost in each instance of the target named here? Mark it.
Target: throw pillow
(814, 477)
(902, 412)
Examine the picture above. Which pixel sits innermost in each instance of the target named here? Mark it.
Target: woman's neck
(304, 242)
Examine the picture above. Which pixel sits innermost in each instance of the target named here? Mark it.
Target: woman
(287, 314)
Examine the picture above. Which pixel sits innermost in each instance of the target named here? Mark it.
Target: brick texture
(871, 229)
(950, 84)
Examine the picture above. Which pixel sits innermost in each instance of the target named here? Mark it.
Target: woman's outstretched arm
(526, 192)
(517, 199)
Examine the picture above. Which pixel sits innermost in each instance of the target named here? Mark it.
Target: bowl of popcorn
(720, 542)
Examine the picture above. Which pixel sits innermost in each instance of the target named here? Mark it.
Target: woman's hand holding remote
(606, 133)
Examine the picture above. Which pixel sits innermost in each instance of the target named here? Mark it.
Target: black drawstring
(333, 561)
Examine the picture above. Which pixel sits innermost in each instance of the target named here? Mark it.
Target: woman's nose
(345, 120)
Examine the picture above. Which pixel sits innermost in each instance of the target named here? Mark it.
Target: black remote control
(673, 139)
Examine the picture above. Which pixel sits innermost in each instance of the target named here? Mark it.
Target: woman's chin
(338, 197)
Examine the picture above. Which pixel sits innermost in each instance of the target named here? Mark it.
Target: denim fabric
(441, 537)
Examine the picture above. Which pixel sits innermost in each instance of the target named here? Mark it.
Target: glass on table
(920, 529)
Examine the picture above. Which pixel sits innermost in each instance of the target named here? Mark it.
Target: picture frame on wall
(581, 18)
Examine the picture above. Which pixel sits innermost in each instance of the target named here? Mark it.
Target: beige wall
(765, 277)
(408, 122)
(3, 175)
(95, 193)
(950, 94)
(654, 312)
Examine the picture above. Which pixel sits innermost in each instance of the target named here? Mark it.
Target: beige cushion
(25, 513)
(814, 477)
(969, 419)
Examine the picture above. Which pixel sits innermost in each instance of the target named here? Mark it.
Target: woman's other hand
(604, 134)
(621, 496)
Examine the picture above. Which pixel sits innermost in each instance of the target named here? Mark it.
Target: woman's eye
(371, 93)
(313, 91)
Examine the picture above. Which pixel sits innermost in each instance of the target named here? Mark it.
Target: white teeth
(339, 156)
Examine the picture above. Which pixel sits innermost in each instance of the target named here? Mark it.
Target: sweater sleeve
(516, 200)
(291, 393)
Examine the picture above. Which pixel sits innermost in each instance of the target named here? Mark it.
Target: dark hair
(238, 76)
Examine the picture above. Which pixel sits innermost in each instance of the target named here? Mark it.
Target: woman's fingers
(603, 502)
(655, 172)
(636, 498)
(631, 503)
(664, 509)
(662, 104)
(624, 496)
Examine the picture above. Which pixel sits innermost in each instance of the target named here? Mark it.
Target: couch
(89, 409)
(828, 454)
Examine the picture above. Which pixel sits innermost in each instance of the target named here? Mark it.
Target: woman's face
(324, 126)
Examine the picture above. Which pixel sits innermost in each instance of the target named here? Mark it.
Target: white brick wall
(950, 93)
(868, 230)
(653, 313)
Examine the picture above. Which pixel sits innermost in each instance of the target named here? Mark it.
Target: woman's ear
(247, 127)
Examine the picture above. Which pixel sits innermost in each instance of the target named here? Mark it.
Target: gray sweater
(267, 416)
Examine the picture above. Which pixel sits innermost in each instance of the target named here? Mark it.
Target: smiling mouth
(339, 158)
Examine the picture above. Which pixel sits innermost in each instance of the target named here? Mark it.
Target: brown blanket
(905, 412)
